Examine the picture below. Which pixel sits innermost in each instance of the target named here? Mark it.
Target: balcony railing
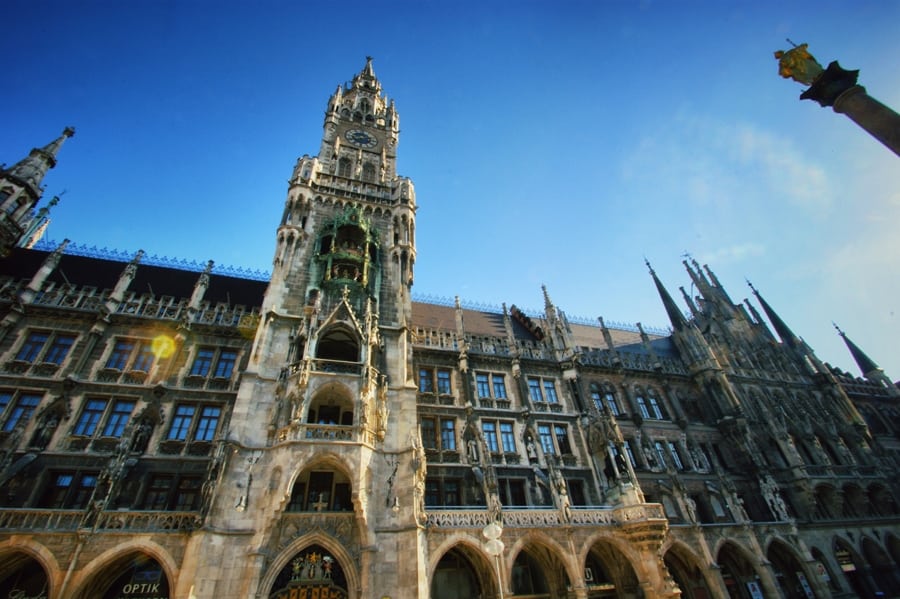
(18, 519)
(540, 517)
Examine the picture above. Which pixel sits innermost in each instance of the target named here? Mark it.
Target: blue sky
(554, 143)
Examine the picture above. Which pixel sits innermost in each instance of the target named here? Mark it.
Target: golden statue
(798, 64)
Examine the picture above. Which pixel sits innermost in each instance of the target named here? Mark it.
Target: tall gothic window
(345, 169)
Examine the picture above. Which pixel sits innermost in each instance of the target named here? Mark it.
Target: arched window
(345, 169)
(368, 172)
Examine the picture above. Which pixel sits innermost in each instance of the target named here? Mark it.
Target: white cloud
(731, 254)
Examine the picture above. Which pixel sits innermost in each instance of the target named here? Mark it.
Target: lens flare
(163, 346)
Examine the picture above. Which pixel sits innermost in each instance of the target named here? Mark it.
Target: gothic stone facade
(172, 433)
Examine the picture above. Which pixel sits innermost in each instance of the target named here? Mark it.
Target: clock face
(360, 138)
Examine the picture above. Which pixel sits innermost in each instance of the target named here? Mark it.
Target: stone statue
(798, 64)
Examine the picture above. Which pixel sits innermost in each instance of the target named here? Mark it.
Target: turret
(20, 190)
(867, 365)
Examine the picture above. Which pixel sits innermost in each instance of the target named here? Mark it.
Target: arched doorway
(608, 573)
(853, 568)
(312, 573)
(338, 344)
(687, 573)
(135, 575)
(537, 573)
(789, 573)
(22, 576)
(462, 574)
(740, 578)
(883, 571)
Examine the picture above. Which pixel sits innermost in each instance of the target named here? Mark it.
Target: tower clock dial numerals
(360, 138)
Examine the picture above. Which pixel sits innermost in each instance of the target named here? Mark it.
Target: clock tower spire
(327, 405)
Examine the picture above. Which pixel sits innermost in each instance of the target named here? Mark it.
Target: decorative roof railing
(114, 255)
(438, 300)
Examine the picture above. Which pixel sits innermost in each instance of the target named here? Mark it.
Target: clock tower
(323, 463)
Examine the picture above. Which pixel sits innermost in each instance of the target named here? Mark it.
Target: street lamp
(494, 546)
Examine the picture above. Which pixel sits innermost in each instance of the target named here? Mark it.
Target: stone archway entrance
(457, 577)
(740, 578)
(135, 575)
(22, 576)
(687, 573)
(313, 573)
(608, 573)
(789, 573)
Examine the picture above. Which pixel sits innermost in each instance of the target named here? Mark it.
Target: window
(656, 410)
(430, 439)
(118, 418)
(489, 429)
(507, 437)
(442, 492)
(512, 492)
(660, 453)
(676, 458)
(69, 490)
(90, 417)
(33, 345)
(131, 354)
(209, 419)
(482, 383)
(546, 439)
(223, 359)
(429, 433)
(448, 434)
(604, 396)
(431, 379)
(368, 172)
(542, 390)
(168, 492)
(630, 453)
(561, 432)
(487, 382)
(443, 380)
(499, 386)
(203, 361)
(426, 384)
(59, 349)
(184, 425)
(117, 413)
(534, 390)
(642, 406)
(17, 408)
(550, 392)
(53, 346)
(344, 167)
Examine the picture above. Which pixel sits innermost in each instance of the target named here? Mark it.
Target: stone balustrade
(541, 517)
(71, 520)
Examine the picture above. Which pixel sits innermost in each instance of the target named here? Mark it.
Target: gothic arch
(689, 572)
(346, 560)
(738, 567)
(471, 550)
(331, 403)
(103, 570)
(18, 555)
(338, 342)
(607, 560)
(852, 566)
(556, 567)
(882, 570)
(786, 564)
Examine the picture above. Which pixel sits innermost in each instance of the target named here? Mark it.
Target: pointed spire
(367, 70)
(866, 364)
(679, 323)
(784, 332)
(31, 170)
